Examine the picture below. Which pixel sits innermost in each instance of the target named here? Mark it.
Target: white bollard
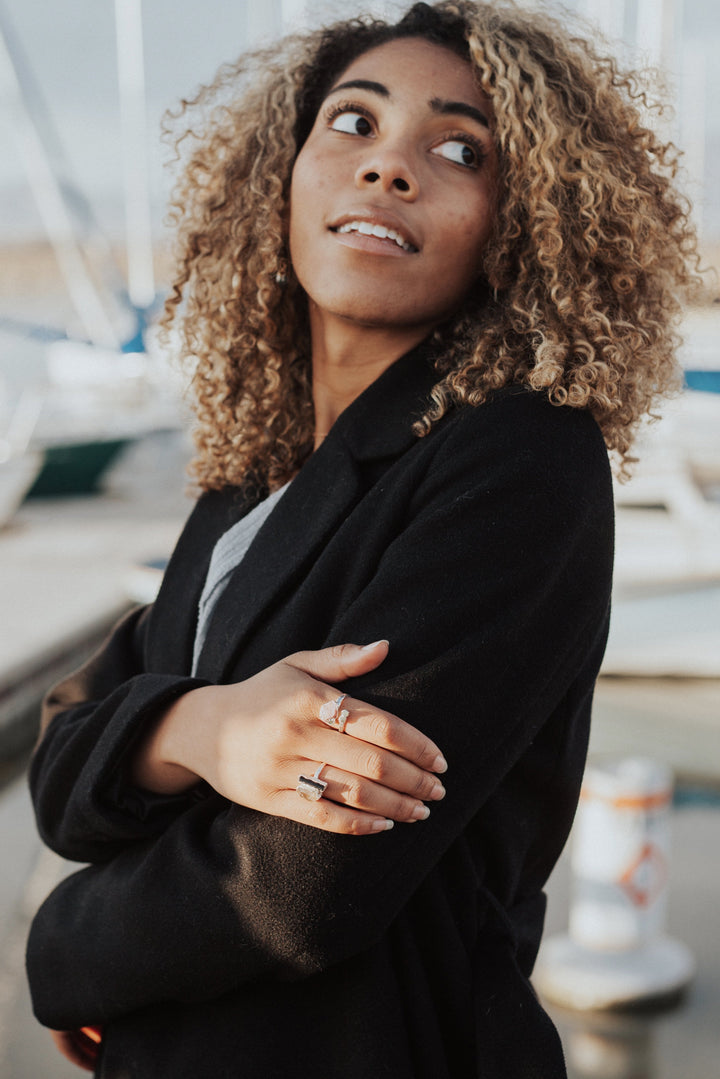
(616, 952)
(620, 854)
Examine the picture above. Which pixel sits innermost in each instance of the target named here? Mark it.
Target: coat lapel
(375, 428)
(185, 576)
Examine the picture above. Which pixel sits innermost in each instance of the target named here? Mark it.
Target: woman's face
(392, 195)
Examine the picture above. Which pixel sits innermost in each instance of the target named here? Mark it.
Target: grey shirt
(227, 555)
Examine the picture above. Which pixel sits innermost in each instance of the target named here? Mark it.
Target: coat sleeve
(497, 593)
(85, 808)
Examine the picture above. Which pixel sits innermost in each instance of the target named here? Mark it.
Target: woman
(425, 268)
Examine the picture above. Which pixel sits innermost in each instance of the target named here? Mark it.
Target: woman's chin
(373, 313)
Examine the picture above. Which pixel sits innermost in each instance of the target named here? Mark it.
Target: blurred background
(94, 444)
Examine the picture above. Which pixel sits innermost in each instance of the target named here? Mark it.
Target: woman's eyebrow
(361, 84)
(459, 108)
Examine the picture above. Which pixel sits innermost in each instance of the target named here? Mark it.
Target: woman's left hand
(254, 741)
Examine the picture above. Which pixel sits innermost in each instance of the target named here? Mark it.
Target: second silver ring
(312, 787)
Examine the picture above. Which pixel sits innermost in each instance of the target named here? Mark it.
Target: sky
(70, 50)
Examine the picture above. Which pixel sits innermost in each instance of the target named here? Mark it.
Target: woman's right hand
(82, 1047)
(252, 740)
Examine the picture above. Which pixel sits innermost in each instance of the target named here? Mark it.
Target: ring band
(333, 715)
(312, 787)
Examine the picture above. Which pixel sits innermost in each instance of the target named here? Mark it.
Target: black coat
(213, 940)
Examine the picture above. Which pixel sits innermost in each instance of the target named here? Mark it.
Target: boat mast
(48, 195)
(138, 221)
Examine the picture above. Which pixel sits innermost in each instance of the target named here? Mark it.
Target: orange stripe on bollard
(627, 801)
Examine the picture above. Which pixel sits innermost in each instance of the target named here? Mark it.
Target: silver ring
(333, 715)
(312, 787)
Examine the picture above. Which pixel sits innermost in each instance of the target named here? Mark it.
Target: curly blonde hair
(591, 252)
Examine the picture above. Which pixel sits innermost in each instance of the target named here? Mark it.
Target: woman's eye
(352, 123)
(461, 153)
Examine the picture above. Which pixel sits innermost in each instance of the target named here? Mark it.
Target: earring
(281, 275)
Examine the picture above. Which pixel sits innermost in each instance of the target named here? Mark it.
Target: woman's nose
(388, 170)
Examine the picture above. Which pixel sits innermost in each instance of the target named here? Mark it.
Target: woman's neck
(347, 358)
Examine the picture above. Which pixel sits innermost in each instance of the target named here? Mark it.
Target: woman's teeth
(366, 229)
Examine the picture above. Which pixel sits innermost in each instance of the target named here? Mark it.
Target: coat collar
(379, 422)
(376, 426)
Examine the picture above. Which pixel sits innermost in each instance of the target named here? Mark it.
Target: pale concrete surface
(676, 720)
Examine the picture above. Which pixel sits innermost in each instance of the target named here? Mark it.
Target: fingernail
(439, 764)
(367, 647)
(438, 791)
(420, 813)
(381, 825)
